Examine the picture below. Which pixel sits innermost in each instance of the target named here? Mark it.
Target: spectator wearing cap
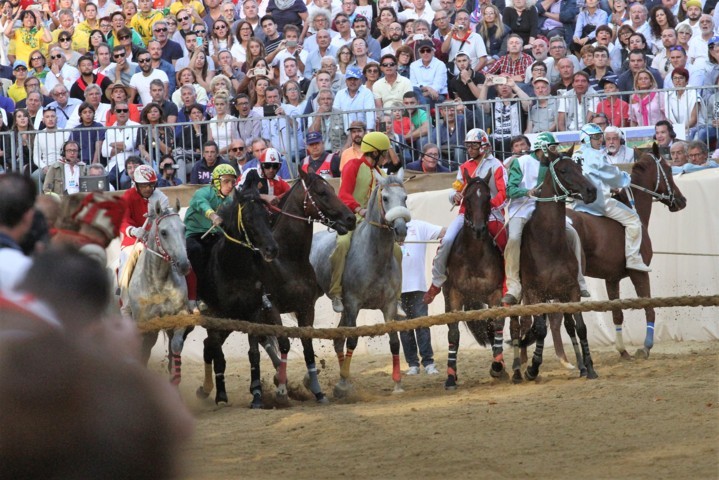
(428, 75)
(355, 97)
(542, 115)
(17, 91)
(678, 59)
(612, 105)
(515, 63)
(694, 13)
(392, 87)
(356, 131)
(682, 104)
(600, 69)
(318, 160)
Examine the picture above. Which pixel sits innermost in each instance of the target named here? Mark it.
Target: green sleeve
(515, 178)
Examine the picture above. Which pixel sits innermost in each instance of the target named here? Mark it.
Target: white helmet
(144, 174)
(477, 135)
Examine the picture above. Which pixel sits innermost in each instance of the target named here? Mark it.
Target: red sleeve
(127, 216)
(500, 182)
(281, 187)
(347, 184)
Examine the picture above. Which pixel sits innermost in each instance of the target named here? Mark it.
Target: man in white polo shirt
(391, 88)
(463, 39)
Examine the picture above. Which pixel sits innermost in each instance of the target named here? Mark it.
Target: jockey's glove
(137, 232)
(216, 220)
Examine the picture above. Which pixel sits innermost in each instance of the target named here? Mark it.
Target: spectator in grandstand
(422, 33)
(238, 155)
(37, 66)
(600, 120)
(250, 124)
(558, 52)
(615, 148)
(170, 51)
(682, 104)
(194, 133)
(638, 14)
(48, 144)
(89, 134)
(17, 198)
(429, 162)
(620, 54)
(283, 132)
(223, 129)
(17, 91)
(393, 38)
(158, 94)
(506, 112)
(600, 69)
(120, 141)
(686, 39)
(313, 63)
(557, 18)
(637, 41)
(63, 104)
(29, 36)
(405, 57)
(202, 171)
(187, 76)
(463, 39)
(646, 107)
(494, 33)
(589, 18)
(361, 28)
(708, 121)
(574, 108)
(124, 67)
(63, 176)
(694, 13)
(637, 63)
(118, 92)
(540, 49)
(329, 122)
(538, 69)
(34, 109)
(451, 130)
(428, 76)
(678, 59)
(515, 63)
(355, 97)
(678, 152)
(566, 77)
(392, 87)
(154, 140)
(168, 172)
(259, 147)
(521, 15)
(120, 30)
(23, 141)
(660, 18)
(103, 59)
(661, 57)
(542, 115)
(586, 55)
(85, 66)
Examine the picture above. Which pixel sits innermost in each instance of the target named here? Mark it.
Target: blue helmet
(587, 131)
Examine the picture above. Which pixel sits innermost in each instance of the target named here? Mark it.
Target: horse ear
(571, 150)
(158, 208)
(377, 176)
(488, 177)
(655, 149)
(177, 205)
(400, 174)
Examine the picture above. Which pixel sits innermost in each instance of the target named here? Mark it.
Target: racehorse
(157, 286)
(475, 274)
(233, 289)
(372, 277)
(548, 268)
(603, 238)
(292, 283)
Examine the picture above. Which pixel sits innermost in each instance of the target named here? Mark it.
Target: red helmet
(144, 174)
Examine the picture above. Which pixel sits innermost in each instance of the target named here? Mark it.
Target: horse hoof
(565, 363)
(322, 399)
(398, 388)
(591, 374)
(201, 393)
(582, 372)
(450, 383)
(221, 398)
(342, 389)
(529, 375)
(517, 377)
(256, 402)
(624, 355)
(642, 353)
(282, 400)
(497, 371)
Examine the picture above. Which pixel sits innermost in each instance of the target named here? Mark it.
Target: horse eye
(163, 233)
(385, 198)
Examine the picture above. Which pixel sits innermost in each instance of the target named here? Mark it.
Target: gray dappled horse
(372, 278)
(157, 286)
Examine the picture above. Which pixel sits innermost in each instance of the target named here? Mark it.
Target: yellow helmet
(219, 171)
(375, 142)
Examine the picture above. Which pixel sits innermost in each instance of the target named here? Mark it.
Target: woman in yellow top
(184, 4)
(29, 37)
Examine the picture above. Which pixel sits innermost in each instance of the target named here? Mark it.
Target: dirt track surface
(655, 419)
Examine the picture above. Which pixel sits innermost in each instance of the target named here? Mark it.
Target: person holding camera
(168, 173)
(463, 39)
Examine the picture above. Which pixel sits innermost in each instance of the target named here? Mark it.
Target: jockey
(202, 216)
(480, 163)
(318, 160)
(138, 200)
(607, 177)
(270, 185)
(356, 185)
(526, 175)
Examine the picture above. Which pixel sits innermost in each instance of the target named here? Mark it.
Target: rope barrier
(187, 320)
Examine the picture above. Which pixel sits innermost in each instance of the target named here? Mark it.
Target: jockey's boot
(584, 293)
(337, 305)
(509, 299)
(430, 294)
(637, 264)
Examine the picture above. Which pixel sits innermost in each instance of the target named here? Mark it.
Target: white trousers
(439, 265)
(632, 228)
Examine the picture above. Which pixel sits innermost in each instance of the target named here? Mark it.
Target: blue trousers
(420, 337)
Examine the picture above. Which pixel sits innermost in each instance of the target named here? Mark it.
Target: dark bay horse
(291, 280)
(603, 238)
(548, 268)
(234, 289)
(475, 271)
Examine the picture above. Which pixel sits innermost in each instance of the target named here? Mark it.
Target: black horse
(291, 281)
(232, 288)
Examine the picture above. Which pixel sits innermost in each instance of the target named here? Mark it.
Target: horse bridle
(322, 220)
(566, 196)
(160, 252)
(661, 175)
(247, 243)
(378, 197)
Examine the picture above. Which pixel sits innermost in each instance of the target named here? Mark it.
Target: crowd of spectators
(231, 75)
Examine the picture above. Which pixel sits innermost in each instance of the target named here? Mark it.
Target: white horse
(372, 277)
(157, 286)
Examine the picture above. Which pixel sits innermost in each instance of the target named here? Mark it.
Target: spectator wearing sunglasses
(60, 70)
(392, 87)
(119, 29)
(237, 155)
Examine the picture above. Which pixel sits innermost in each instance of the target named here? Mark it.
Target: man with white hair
(314, 59)
(320, 19)
(617, 152)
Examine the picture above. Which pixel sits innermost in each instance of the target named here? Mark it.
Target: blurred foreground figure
(70, 410)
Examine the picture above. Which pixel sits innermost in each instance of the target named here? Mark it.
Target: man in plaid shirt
(515, 63)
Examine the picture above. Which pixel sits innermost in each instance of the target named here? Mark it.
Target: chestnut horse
(603, 238)
(475, 271)
(548, 268)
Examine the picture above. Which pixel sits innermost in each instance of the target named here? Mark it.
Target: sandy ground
(655, 418)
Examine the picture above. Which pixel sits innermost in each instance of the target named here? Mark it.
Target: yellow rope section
(186, 320)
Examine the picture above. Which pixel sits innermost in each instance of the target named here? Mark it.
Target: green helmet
(220, 170)
(543, 141)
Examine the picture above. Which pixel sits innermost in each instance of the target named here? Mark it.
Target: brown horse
(548, 267)
(472, 284)
(603, 238)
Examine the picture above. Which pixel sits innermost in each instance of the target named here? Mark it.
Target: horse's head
(476, 203)
(388, 205)
(567, 177)
(322, 203)
(167, 236)
(247, 223)
(654, 174)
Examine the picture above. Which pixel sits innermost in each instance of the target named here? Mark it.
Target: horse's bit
(661, 175)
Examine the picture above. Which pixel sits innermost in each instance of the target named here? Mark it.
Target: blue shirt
(63, 114)
(363, 100)
(314, 61)
(433, 75)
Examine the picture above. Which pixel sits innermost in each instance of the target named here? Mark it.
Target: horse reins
(381, 207)
(247, 243)
(161, 252)
(323, 220)
(661, 175)
(567, 195)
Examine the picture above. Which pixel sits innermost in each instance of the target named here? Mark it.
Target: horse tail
(482, 331)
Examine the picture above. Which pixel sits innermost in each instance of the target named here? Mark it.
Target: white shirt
(433, 75)
(363, 100)
(13, 267)
(69, 76)
(474, 47)
(279, 62)
(414, 254)
(141, 83)
(623, 155)
(127, 135)
(407, 14)
(48, 145)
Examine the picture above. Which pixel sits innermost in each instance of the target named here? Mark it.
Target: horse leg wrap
(345, 368)
(340, 358)
(176, 369)
(452, 359)
(619, 339)
(314, 380)
(578, 354)
(497, 347)
(208, 385)
(649, 339)
(282, 371)
(517, 361)
(396, 374)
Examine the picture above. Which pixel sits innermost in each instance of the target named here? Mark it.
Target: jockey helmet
(543, 142)
(587, 131)
(477, 135)
(375, 142)
(271, 155)
(219, 171)
(144, 174)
